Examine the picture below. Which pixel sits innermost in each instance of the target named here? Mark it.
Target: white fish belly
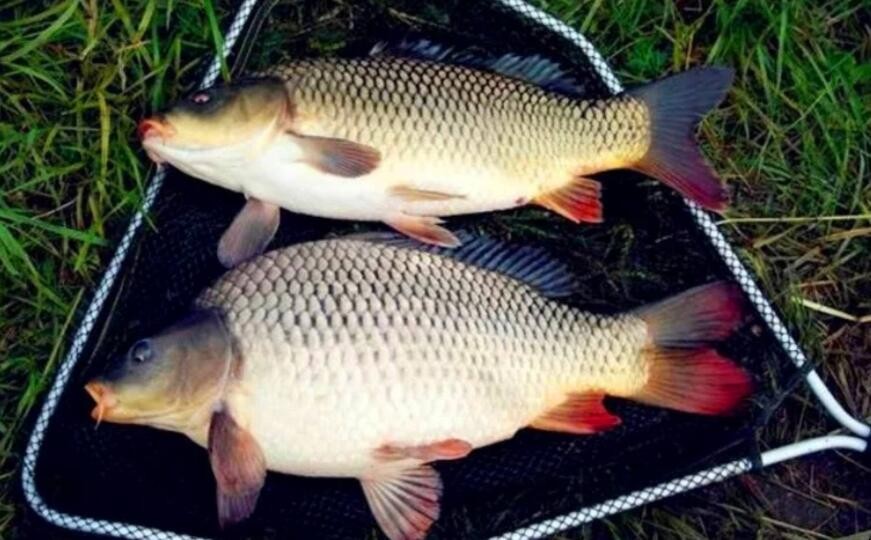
(300, 187)
(347, 346)
(325, 412)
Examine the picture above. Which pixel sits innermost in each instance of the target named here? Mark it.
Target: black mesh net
(649, 248)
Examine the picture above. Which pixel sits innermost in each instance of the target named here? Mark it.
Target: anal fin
(405, 499)
(580, 414)
(579, 200)
(424, 229)
(249, 234)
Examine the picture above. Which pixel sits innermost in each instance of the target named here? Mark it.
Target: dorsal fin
(534, 69)
(530, 265)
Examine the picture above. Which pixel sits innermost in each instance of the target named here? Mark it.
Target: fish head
(216, 121)
(166, 379)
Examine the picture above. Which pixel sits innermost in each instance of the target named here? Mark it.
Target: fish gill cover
(648, 248)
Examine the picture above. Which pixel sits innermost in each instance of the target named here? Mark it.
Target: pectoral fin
(424, 229)
(404, 499)
(250, 233)
(238, 466)
(338, 156)
(579, 414)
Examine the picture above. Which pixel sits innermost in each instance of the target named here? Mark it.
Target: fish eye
(201, 98)
(141, 351)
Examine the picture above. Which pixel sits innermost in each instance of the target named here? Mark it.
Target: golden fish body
(373, 358)
(348, 346)
(481, 140)
(406, 141)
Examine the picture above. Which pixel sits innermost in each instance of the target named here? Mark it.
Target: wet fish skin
(339, 326)
(372, 358)
(510, 135)
(407, 141)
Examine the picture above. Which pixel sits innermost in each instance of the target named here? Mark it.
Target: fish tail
(676, 104)
(685, 373)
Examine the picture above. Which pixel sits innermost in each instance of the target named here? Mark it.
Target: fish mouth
(151, 129)
(104, 398)
(154, 127)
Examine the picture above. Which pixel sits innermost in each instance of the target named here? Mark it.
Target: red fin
(577, 201)
(238, 466)
(404, 500)
(676, 105)
(695, 317)
(249, 234)
(696, 381)
(685, 375)
(339, 156)
(424, 229)
(440, 450)
(580, 413)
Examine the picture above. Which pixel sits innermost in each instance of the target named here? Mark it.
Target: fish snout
(151, 130)
(104, 398)
(154, 127)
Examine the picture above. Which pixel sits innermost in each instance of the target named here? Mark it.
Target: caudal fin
(685, 373)
(676, 105)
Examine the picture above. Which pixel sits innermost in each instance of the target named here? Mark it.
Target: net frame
(856, 440)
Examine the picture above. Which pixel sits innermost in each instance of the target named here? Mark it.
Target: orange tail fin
(676, 105)
(685, 373)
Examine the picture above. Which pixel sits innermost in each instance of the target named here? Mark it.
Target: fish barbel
(407, 140)
(371, 358)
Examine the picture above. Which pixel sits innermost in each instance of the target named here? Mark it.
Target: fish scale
(406, 141)
(365, 359)
(418, 347)
(479, 116)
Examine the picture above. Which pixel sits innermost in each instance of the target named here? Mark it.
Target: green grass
(74, 79)
(793, 141)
